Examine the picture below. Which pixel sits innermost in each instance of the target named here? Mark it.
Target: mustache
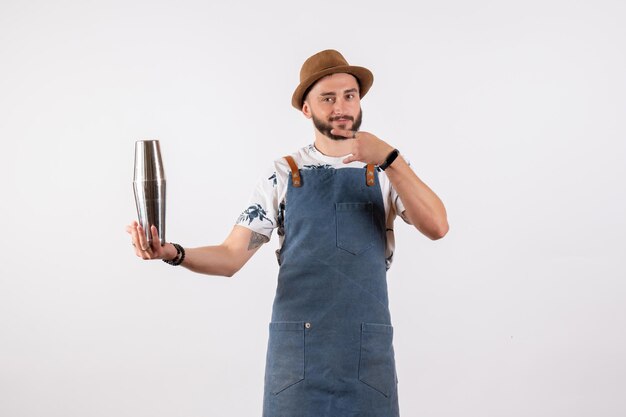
(332, 119)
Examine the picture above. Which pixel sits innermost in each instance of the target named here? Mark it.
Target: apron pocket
(377, 364)
(285, 356)
(355, 226)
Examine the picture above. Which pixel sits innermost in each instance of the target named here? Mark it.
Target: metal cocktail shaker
(149, 187)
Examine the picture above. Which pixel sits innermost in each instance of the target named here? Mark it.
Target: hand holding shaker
(149, 187)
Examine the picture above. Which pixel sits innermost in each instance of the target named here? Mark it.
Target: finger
(156, 241)
(134, 239)
(349, 159)
(135, 243)
(142, 242)
(131, 227)
(343, 132)
(144, 248)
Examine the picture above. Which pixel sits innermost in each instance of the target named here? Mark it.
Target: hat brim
(363, 75)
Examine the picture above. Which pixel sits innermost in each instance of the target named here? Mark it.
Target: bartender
(333, 204)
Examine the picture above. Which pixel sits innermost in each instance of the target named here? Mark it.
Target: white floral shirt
(267, 204)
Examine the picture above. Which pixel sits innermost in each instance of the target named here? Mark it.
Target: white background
(513, 112)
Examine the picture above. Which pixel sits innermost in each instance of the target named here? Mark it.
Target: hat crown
(321, 61)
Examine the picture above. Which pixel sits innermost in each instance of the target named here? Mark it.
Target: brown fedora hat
(325, 63)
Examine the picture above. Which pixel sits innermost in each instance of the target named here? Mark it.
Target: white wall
(513, 112)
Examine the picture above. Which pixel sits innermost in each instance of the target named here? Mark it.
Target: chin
(335, 137)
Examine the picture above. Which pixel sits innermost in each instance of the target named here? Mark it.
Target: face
(334, 102)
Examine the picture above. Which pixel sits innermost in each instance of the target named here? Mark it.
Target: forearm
(422, 206)
(225, 259)
(212, 260)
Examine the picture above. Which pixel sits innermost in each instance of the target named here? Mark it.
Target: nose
(338, 107)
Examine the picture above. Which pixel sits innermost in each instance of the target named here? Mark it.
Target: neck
(330, 147)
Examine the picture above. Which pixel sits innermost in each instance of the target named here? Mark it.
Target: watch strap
(389, 160)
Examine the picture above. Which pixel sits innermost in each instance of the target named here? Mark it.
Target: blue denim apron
(330, 350)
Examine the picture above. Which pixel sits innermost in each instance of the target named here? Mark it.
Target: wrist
(180, 256)
(391, 157)
(170, 252)
(388, 149)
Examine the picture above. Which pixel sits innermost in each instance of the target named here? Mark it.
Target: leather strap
(370, 179)
(296, 179)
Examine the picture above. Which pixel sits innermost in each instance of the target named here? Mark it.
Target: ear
(306, 110)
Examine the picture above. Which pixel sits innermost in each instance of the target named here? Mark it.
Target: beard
(325, 128)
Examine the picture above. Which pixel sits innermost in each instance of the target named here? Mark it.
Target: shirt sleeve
(261, 213)
(398, 205)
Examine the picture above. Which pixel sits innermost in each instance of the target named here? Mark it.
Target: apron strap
(369, 175)
(295, 172)
(296, 179)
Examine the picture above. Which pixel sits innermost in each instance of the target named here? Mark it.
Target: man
(333, 202)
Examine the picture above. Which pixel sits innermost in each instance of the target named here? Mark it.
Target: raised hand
(364, 147)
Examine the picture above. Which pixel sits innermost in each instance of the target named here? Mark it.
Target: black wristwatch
(390, 158)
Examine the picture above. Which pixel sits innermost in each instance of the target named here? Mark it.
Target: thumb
(349, 159)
